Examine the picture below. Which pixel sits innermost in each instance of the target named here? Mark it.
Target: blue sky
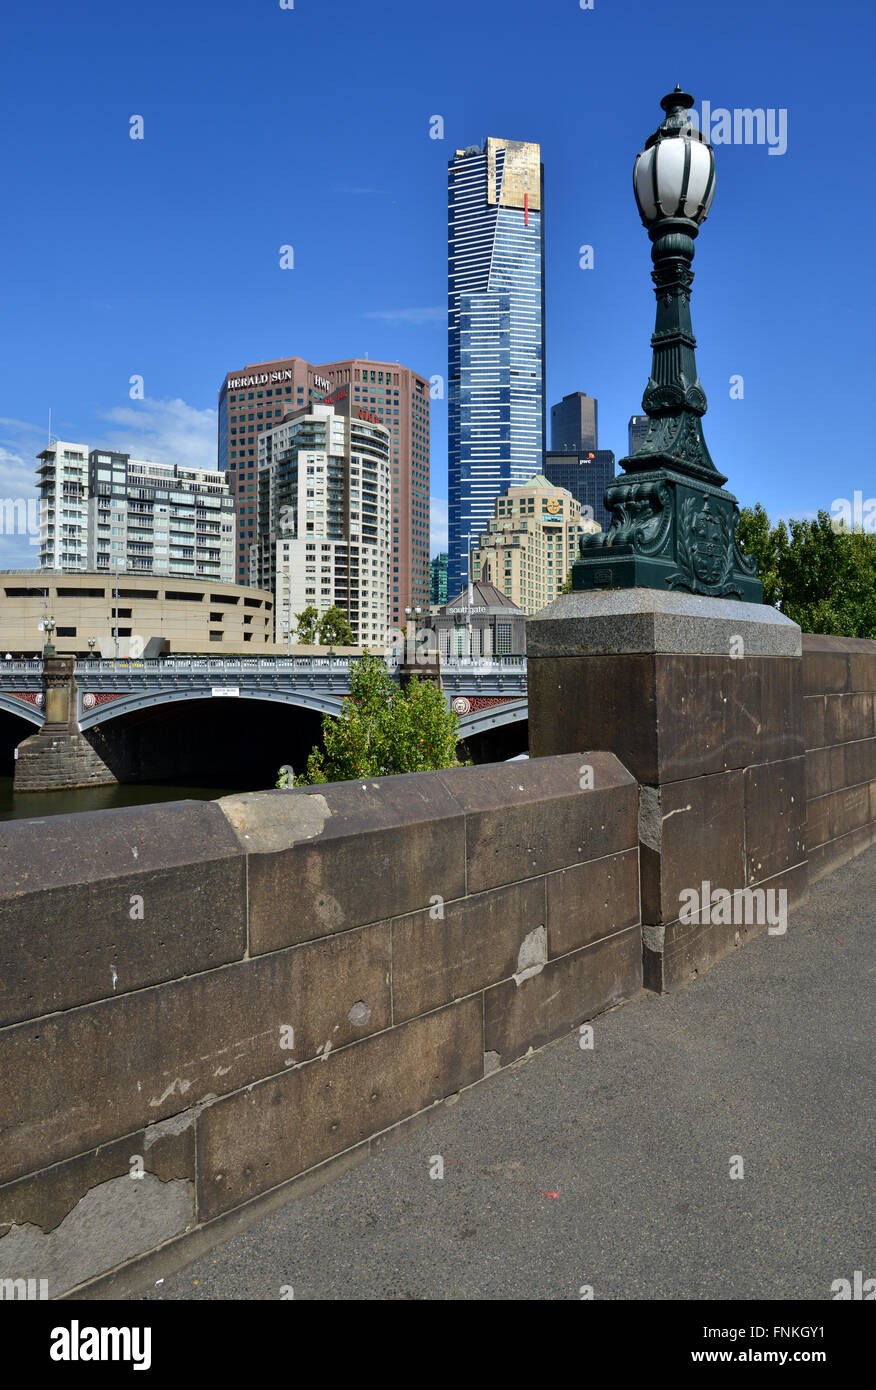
(309, 127)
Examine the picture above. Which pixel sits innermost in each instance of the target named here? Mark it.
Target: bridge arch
(23, 709)
(133, 701)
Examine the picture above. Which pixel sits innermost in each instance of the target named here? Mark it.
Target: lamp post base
(668, 531)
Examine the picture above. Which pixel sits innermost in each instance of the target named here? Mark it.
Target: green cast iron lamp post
(673, 526)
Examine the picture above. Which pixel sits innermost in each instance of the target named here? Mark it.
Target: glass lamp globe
(674, 176)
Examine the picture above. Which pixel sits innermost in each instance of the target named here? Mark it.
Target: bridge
(485, 692)
(231, 717)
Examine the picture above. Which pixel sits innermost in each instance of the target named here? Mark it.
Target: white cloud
(163, 432)
(438, 524)
(429, 314)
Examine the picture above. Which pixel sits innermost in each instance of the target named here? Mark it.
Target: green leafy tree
(817, 572)
(334, 629)
(384, 730)
(307, 621)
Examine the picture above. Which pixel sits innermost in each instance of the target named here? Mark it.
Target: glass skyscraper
(496, 388)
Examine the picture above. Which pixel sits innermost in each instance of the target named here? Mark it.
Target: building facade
(62, 488)
(530, 543)
(574, 428)
(636, 431)
(323, 520)
(124, 613)
(479, 621)
(496, 359)
(255, 398)
(102, 510)
(438, 587)
(586, 476)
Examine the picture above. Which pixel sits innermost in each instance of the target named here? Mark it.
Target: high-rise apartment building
(636, 431)
(438, 590)
(103, 510)
(586, 476)
(323, 520)
(62, 485)
(496, 363)
(574, 427)
(530, 543)
(254, 399)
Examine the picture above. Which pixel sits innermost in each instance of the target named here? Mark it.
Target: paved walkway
(768, 1056)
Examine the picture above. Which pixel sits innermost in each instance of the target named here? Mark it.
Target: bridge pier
(59, 755)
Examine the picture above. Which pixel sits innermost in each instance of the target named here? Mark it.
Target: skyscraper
(636, 431)
(530, 543)
(255, 399)
(496, 364)
(573, 424)
(586, 475)
(438, 594)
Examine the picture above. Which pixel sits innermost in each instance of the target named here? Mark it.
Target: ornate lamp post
(673, 525)
(49, 626)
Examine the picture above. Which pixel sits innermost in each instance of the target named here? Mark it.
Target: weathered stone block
(589, 701)
(75, 1220)
(677, 952)
(590, 901)
(859, 761)
(565, 993)
(378, 849)
(260, 1137)
(79, 1078)
(862, 670)
(475, 942)
(718, 713)
(817, 822)
(825, 672)
(848, 718)
(525, 819)
(694, 830)
(775, 818)
(119, 934)
(814, 717)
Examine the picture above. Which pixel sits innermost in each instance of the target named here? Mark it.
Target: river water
(23, 805)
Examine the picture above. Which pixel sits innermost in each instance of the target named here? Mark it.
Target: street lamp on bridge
(673, 525)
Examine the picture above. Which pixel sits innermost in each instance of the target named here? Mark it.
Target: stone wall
(839, 708)
(206, 1005)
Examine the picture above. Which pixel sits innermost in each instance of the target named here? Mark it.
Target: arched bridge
(485, 692)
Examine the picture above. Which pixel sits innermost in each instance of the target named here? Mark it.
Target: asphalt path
(611, 1168)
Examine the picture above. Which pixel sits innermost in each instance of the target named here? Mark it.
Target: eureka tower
(496, 366)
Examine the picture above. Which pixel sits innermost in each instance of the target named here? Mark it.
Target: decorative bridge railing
(483, 691)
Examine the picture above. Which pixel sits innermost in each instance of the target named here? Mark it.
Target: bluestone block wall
(839, 710)
(222, 996)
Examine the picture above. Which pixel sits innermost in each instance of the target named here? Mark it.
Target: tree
(307, 622)
(334, 629)
(817, 572)
(384, 730)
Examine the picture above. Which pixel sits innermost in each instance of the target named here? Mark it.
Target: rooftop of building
(481, 594)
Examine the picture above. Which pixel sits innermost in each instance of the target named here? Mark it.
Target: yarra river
(24, 805)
